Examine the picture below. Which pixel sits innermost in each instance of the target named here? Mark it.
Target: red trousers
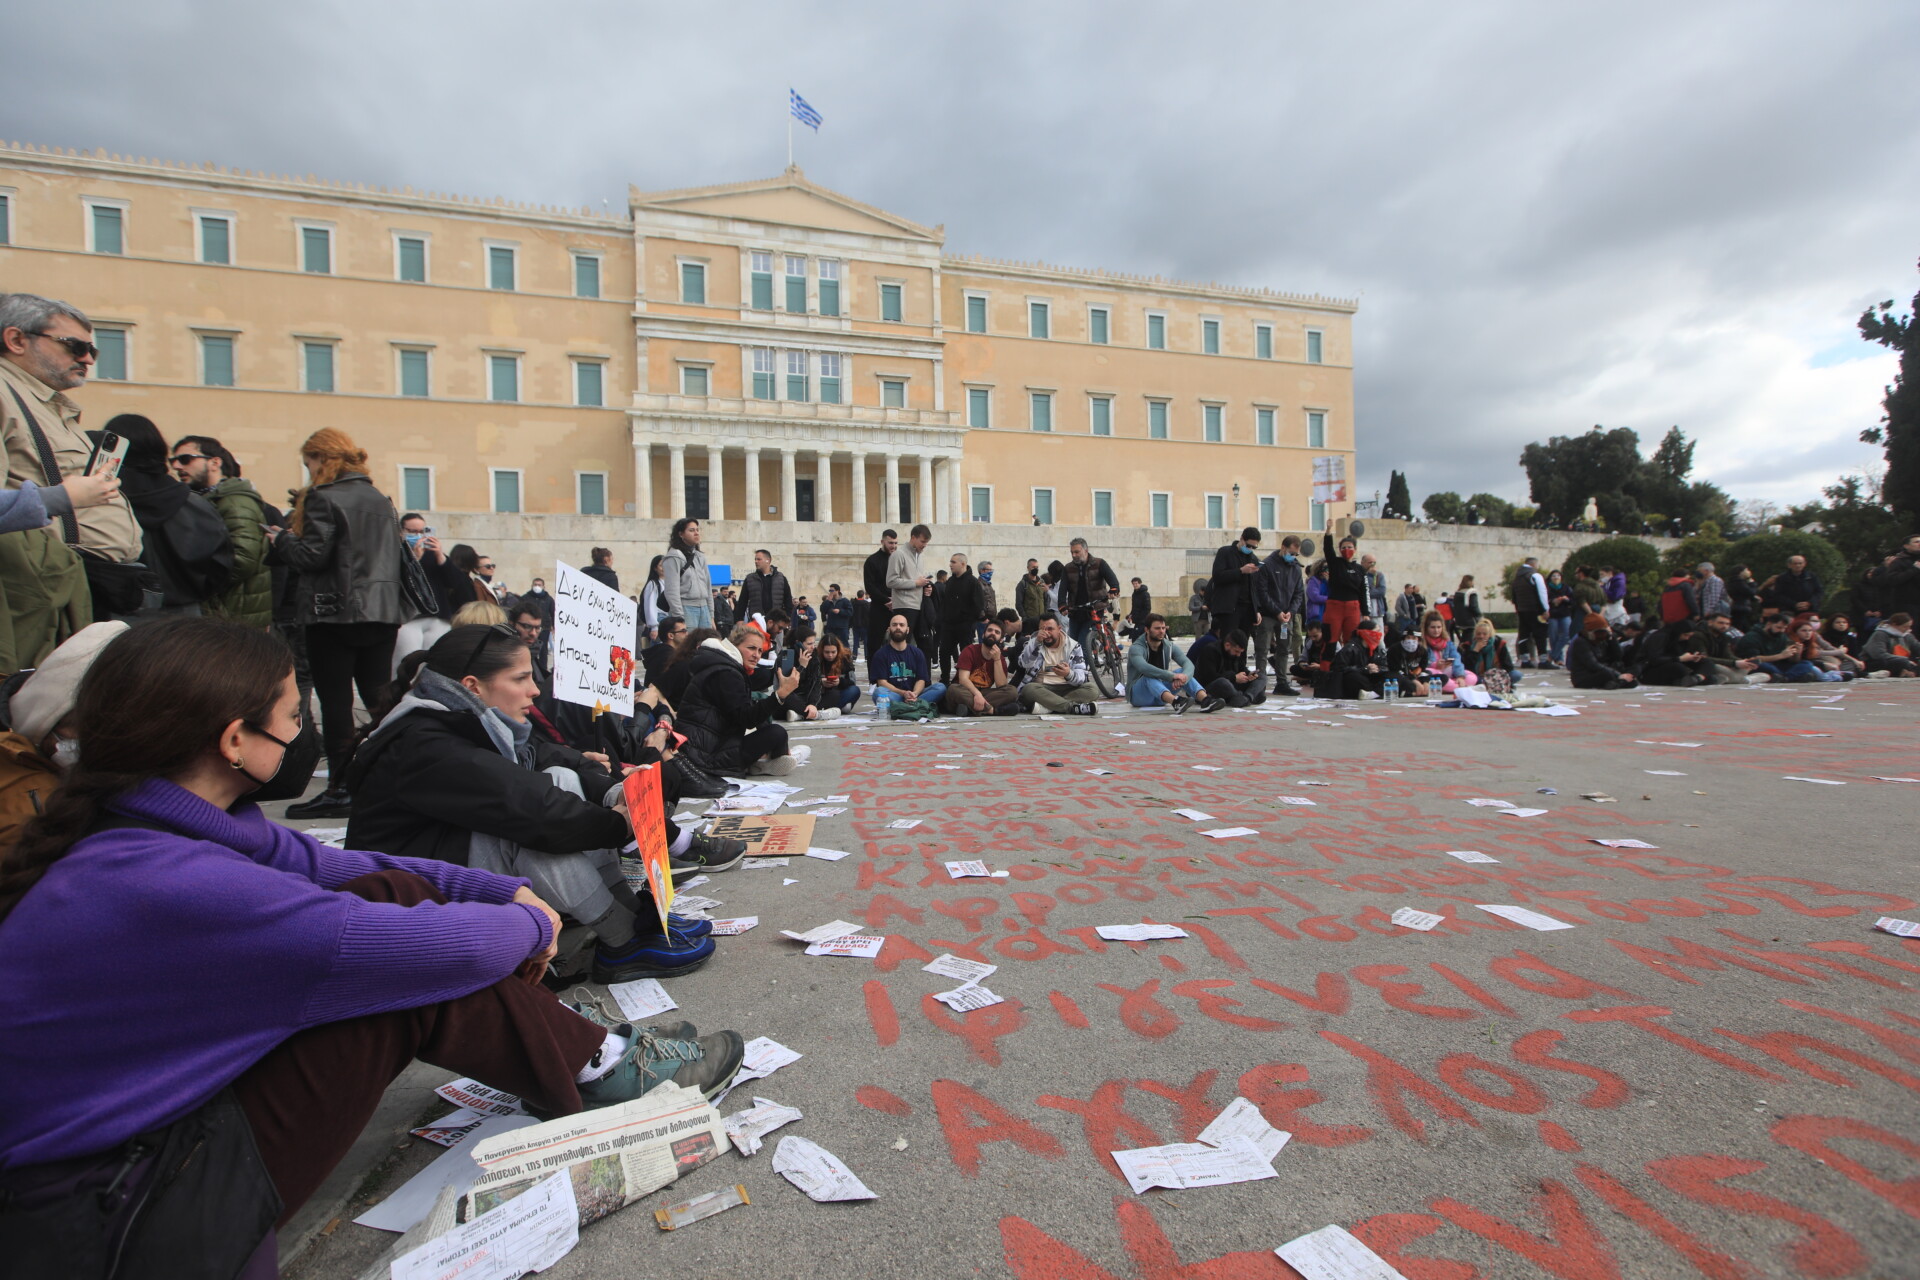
(1341, 618)
(309, 1099)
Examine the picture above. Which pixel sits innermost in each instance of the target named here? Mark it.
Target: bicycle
(1106, 664)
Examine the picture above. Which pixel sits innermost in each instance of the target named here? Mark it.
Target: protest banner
(1330, 479)
(594, 631)
(646, 810)
(766, 837)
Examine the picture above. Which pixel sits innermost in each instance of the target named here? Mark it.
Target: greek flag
(800, 111)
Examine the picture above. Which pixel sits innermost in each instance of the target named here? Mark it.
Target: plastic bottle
(1390, 689)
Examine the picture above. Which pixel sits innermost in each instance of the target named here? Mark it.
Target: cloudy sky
(1553, 215)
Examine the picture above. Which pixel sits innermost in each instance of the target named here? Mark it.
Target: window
(1211, 416)
(316, 366)
(1100, 414)
(696, 497)
(1314, 343)
(1319, 516)
(506, 490)
(760, 279)
(502, 269)
(586, 275)
(797, 285)
(590, 492)
(830, 378)
(1156, 419)
(1039, 320)
(1216, 511)
(410, 259)
(763, 373)
(503, 380)
(979, 407)
(1210, 337)
(797, 379)
(1043, 506)
(976, 313)
(1097, 325)
(6, 218)
(693, 380)
(216, 240)
(316, 250)
(1317, 430)
(693, 283)
(803, 499)
(107, 228)
(416, 488)
(893, 393)
(980, 503)
(1160, 510)
(216, 360)
(1269, 513)
(111, 364)
(414, 375)
(1156, 331)
(590, 384)
(829, 287)
(1042, 413)
(890, 302)
(1103, 508)
(1263, 429)
(1263, 341)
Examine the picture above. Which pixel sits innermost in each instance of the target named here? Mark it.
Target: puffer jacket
(248, 598)
(347, 558)
(719, 707)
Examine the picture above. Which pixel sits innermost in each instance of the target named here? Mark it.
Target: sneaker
(656, 957)
(1183, 704)
(1759, 677)
(1878, 675)
(715, 853)
(689, 926)
(1369, 695)
(829, 713)
(1083, 709)
(1212, 705)
(328, 804)
(801, 754)
(691, 782)
(776, 767)
(708, 1063)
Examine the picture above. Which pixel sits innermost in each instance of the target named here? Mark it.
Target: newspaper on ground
(1897, 927)
(734, 927)
(1627, 844)
(642, 999)
(529, 1233)
(467, 1092)
(1409, 918)
(746, 1128)
(1242, 1119)
(1470, 855)
(1229, 833)
(968, 998)
(688, 1212)
(1877, 778)
(804, 803)
(832, 929)
(856, 945)
(454, 1169)
(831, 811)
(973, 867)
(817, 1171)
(827, 855)
(748, 806)
(1520, 915)
(1183, 1166)
(1139, 932)
(1598, 797)
(692, 904)
(1194, 815)
(1551, 709)
(451, 1129)
(967, 971)
(1334, 1253)
(761, 864)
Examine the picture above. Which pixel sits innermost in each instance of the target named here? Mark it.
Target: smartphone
(108, 453)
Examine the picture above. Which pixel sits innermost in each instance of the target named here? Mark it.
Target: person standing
(989, 599)
(1346, 593)
(1796, 591)
(1376, 588)
(1710, 591)
(1466, 606)
(205, 466)
(765, 590)
(724, 612)
(1286, 593)
(1087, 583)
(688, 586)
(859, 620)
(1197, 608)
(962, 609)
(1139, 609)
(1560, 618)
(1532, 608)
(341, 545)
(1030, 598)
(873, 578)
(836, 614)
(653, 597)
(1230, 592)
(601, 570)
(910, 587)
(184, 539)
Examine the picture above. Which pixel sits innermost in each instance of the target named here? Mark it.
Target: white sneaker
(1879, 675)
(777, 767)
(792, 716)
(829, 713)
(801, 754)
(1758, 677)
(1369, 694)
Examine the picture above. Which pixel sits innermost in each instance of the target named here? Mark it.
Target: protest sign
(766, 837)
(594, 628)
(646, 810)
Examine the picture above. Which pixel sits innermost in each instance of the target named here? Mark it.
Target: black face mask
(297, 763)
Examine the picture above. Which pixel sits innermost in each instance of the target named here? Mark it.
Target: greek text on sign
(593, 637)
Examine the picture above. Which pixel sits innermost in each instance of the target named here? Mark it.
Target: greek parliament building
(763, 351)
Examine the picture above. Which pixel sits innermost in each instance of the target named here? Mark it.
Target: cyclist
(1087, 582)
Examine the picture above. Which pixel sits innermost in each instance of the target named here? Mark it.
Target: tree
(1766, 554)
(1899, 429)
(1635, 557)
(1444, 508)
(1399, 501)
(1493, 510)
(1855, 519)
(1567, 470)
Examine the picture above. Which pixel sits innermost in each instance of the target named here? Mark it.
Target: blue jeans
(1802, 672)
(1559, 636)
(848, 696)
(698, 615)
(929, 695)
(1146, 691)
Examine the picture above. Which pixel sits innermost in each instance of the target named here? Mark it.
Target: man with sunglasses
(203, 464)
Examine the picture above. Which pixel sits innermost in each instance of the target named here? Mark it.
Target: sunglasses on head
(494, 629)
(80, 347)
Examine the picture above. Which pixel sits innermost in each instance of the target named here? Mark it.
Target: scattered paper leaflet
(734, 927)
(827, 855)
(1139, 932)
(763, 1057)
(961, 870)
(817, 1171)
(1194, 815)
(1520, 915)
(856, 945)
(1408, 918)
(1899, 928)
(529, 1233)
(1229, 833)
(1627, 844)
(747, 1128)
(967, 971)
(1242, 1119)
(642, 999)
(832, 929)
(1183, 1165)
(1334, 1253)
(1470, 855)
(968, 998)
(466, 1092)
(451, 1129)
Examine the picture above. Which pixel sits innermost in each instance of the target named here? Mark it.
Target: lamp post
(1236, 504)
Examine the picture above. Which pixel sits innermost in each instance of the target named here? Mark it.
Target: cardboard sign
(773, 836)
(646, 810)
(594, 628)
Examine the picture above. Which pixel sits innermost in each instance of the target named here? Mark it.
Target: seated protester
(1838, 632)
(1716, 642)
(1158, 672)
(1223, 675)
(1674, 657)
(1436, 659)
(1010, 632)
(451, 770)
(805, 702)
(983, 687)
(1831, 656)
(1054, 672)
(727, 720)
(44, 741)
(1889, 649)
(1633, 634)
(678, 669)
(838, 689)
(1315, 668)
(655, 657)
(283, 984)
(899, 671)
(1365, 662)
(777, 627)
(479, 613)
(1593, 659)
(1769, 647)
(1486, 653)
(1813, 666)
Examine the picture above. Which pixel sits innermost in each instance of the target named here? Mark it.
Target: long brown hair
(335, 455)
(154, 702)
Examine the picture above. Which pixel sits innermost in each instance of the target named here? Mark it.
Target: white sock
(604, 1060)
(681, 843)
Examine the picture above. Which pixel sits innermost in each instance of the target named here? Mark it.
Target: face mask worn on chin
(297, 763)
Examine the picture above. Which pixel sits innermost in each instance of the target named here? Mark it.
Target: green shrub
(1705, 545)
(1766, 554)
(1636, 557)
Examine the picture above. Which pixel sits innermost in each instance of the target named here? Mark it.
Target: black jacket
(873, 577)
(837, 615)
(1230, 593)
(1140, 607)
(1896, 586)
(1279, 588)
(1211, 661)
(347, 557)
(185, 538)
(1085, 583)
(1346, 580)
(719, 707)
(762, 593)
(1593, 666)
(962, 604)
(604, 575)
(1354, 656)
(1789, 589)
(423, 787)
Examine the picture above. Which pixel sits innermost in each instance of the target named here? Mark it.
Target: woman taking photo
(162, 1126)
(344, 547)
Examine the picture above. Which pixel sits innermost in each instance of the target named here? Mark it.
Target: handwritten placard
(593, 636)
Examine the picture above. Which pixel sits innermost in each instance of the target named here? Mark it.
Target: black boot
(328, 804)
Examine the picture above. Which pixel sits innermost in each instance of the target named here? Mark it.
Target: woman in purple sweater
(202, 1008)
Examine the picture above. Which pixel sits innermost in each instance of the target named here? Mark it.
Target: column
(890, 495)
(677, 478)
(642, 482)
(962, 500)
(823, 486)
(859, 487)
(928, 513)
(788, 511)
(716, 481)
(753, 485)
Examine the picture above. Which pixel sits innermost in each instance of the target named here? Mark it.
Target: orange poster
(646, 810)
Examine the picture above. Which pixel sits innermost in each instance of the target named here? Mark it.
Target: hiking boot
(328, 804)
(661, 956)
(592, 1007)
(716, 853)
(708, 1063)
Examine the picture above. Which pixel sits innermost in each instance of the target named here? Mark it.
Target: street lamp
(1236, 504)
